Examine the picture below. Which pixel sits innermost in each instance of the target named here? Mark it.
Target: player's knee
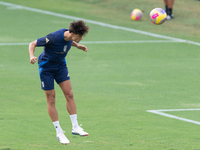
(51, 105)
(69, 94)
(51, 99)
(51, 102)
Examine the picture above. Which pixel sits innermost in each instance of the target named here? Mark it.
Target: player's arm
(79, 46)
(32, 46)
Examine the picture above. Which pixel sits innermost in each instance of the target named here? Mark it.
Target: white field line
(161, 112)
(13, 44)
(136, 41)
(102, 42)
(14, 6)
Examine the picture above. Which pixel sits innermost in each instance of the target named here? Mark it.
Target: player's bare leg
(68, 93)
(71, 107)
(165, 1)
(50, 95)
(170, 3)
(169, 6)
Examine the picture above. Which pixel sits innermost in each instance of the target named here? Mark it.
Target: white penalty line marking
(161, 112)
(14, 6)
(103, 42)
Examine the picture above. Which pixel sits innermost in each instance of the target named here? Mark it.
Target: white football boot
(79, 131)
(62, 138)
(170, 17)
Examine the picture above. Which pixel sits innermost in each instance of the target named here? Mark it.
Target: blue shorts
(47, 76)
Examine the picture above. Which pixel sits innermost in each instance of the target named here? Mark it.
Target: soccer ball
(136, 14)
(158, 16)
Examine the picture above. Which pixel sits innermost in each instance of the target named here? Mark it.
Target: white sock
(74, 121)
(57, 127)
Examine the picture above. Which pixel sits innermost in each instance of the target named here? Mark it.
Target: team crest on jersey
(65, 48)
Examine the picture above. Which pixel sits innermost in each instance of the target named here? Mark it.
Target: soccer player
(52, 66)
(168, 8)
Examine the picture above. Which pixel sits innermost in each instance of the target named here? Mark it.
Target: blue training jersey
(55, 48)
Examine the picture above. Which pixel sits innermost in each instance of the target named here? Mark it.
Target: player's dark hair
(78, 27)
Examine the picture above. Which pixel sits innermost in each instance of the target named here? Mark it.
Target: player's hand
(33, 59)
(82, 47)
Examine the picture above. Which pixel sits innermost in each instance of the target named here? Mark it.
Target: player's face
(77, 38)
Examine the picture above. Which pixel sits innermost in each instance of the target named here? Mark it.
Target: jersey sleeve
(46, 41)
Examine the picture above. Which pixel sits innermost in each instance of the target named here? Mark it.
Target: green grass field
(114, 83)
